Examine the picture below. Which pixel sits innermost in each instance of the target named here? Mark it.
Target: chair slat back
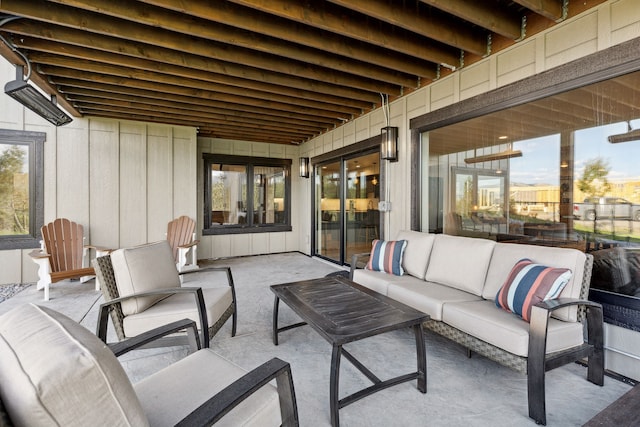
(180, 232)
(64, 242)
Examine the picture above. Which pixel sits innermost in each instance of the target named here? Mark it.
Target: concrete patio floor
(460, 391)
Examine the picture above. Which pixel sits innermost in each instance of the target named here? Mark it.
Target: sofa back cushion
(460, 262)
(55, 372)
(506, 255)
(417, 252)
(143, 269)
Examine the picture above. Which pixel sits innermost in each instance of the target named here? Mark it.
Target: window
(246, 194)
(21, 189)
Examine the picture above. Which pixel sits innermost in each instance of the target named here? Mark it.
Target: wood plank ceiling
(280, 71)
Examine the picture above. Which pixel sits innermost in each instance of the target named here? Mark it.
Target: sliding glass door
(346, 217)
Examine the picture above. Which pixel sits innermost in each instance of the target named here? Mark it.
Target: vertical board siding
(159, 181)
(133, 185)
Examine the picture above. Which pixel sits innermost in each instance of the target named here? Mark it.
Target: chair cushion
(56, 372)
(142, 269)
(387, 256)
(179, 397)
(529, 283)
(177, 307)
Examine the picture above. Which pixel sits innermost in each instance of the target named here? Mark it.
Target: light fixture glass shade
(34, 100)
(389, 143)
(304, 167)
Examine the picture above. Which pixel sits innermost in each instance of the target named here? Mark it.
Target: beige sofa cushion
(460, 262)
(427, 297)
(375, 280)
(417, 252)
(55, 372)
(142, 269)
(505, 256)
(484, 320)
(215, 373)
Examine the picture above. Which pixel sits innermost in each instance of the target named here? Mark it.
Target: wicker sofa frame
(106, 277)
(538, 361)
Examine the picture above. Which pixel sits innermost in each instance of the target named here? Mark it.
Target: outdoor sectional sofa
(455, 280)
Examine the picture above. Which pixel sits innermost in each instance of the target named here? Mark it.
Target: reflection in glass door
(479, 202)
(346, 219)
(328, 202)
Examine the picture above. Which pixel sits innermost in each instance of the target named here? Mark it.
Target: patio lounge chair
(142, 290)
(56, 372)
(182, 238)
(62, 254)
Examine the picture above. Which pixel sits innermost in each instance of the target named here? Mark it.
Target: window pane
(14, 189)
(228, 194)
(269, 195)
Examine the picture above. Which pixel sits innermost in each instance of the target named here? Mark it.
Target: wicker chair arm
(219, 405)
(358, 261)
(101, 330)
(133, 343)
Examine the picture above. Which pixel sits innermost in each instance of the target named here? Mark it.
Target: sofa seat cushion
(460, 262)
(55, 372)
(417, 252)
(177, 307)
(489, 323)
(215, 373)
(505, 255)
(142, 269)
(427, 297)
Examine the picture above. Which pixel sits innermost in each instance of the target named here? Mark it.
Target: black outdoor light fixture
(304, 167)
(33, 99)
(388, 135)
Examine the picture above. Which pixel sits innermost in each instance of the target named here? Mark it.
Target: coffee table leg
(421, 353)
(276, 303)
(333, 384)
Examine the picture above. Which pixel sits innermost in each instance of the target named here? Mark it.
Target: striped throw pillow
(529, 283)
(387, 256)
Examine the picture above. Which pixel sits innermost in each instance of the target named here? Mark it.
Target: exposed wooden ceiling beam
(73, 77)
(254, 21)
(167, 19)
(198, 69)
(441, 28)
(320, 16)
(551, 9)
(483, 14)
(128, 30)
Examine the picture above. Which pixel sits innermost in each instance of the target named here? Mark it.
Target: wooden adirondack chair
(182, 238)
(62, 254)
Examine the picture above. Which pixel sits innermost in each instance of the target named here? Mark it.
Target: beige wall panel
(442, 93)
(260, 243)
(349, 133)
(277, 242)
(29, 269)
(72, 178)
(221, 146)
(474, 80)
(574, 40)
(515, 63)
(417, 102)
(50, 172)
(10, 266)
(12, 116)
(327, 141)
(240, 244)
(104, 183)
(185, 173)
(363, 127)
(159, 181)
(259, 149)
(276, 151)
(133, 185)
(625, 20)
(338, 138)
(241, 148)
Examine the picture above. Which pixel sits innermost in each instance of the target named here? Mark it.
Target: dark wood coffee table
(342, 312)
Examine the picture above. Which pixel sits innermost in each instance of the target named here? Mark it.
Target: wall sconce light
(389, 144)
(304, 167)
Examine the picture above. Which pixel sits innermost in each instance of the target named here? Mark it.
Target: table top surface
(343, 311)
